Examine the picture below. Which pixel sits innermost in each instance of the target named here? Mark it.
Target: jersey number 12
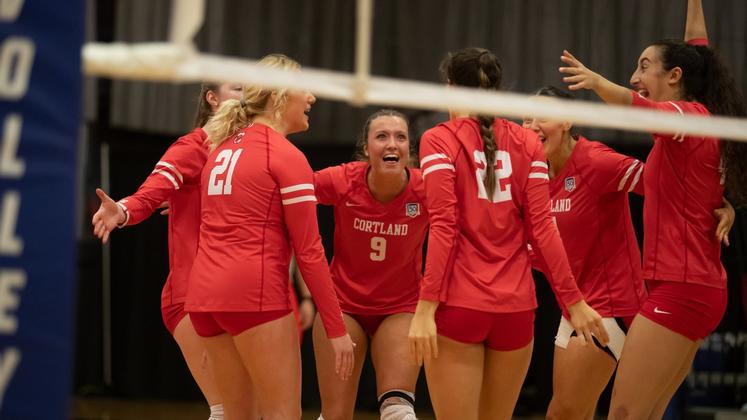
(502, 192)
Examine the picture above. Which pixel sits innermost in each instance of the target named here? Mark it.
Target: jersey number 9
(378, 245)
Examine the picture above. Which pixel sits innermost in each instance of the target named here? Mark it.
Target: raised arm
(580, 77)
(695, 26)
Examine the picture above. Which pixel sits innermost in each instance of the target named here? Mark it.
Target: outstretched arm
(579, 77)
(695, 27)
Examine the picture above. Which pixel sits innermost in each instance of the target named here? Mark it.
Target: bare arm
(579, 77)
(695, 27)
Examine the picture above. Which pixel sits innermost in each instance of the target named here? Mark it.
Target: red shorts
(369, 323)
(498, 331)
(172, 315)
(693, 310)
(210, 324)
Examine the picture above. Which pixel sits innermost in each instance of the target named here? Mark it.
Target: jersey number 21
(226, 159)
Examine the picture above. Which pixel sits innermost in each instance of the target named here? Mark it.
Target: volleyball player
(474, 322)
(684, 183)
(175, 179)
(258, 204)
(589, 186)
(380, 226)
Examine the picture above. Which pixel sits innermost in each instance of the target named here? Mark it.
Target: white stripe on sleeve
(299, 199)
(438, 167)
(173, 169)
(433, 157)
(539, 164)
(627, 175)
(539, 176)
(635, 179)
(297, 187)
(168, 176)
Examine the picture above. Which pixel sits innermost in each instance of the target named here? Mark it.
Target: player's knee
(397, 404)
(560, 411)
(619, 412)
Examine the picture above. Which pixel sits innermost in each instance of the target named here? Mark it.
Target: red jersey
(589, 201)
(258, 203)
(378, 247)
(477, 252)
(684, 184)
(176, 179)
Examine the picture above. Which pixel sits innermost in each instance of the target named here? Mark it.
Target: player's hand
(344, 355)
(577, 75)
(423, 335)
(166, 208)
(587, 322)
(108, 216)
(725, 216)
(306, 311)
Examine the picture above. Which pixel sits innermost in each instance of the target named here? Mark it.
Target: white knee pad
(397, 404)
(216, 412)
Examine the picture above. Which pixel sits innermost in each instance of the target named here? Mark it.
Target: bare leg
(503, 376)
(455, 379)
(338, 396)
(574, 395)
(271, 355)
(651, 359)
(195, 354)
(231, 378)
(661, 406)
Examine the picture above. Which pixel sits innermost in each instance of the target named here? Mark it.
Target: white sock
(396, 407)
(216, 412)
(321, 417)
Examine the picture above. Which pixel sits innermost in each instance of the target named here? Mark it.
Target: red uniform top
(176, 179)
(257, 203)
(684, 184)
(589, 201)
(378, 248)
(477, 252)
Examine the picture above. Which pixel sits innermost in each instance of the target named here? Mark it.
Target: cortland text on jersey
(381, 228)
(560, 205)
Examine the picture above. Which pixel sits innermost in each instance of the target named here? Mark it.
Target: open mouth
(391, 159)
(542, 138)
(643, 92)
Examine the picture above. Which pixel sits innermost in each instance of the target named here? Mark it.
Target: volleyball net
(179, 61)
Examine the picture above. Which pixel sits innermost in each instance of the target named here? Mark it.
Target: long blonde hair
(233, 115)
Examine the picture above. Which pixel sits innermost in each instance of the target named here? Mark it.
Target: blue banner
(40, 94)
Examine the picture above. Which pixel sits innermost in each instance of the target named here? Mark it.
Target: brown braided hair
(478, 68)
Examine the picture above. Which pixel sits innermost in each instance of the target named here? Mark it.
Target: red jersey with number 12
(477, 250)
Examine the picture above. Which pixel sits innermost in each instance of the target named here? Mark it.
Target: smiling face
(388, 145)
(651, 80)
(295, 112)
(550, 133)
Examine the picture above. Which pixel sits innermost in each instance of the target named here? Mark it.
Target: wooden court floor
(121, 409)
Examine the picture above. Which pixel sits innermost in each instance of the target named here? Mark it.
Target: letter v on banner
(40, 94)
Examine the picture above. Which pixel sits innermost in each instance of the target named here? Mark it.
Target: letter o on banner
(40, 94)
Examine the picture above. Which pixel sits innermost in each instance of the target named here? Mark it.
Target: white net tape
(180, 62)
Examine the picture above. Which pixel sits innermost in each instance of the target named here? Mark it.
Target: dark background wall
(138, 121)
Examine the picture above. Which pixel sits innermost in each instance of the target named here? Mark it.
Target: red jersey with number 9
(258, 204)
(477, 247)
(378, 247)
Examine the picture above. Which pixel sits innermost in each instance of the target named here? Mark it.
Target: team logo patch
(570, 184)
(412, 209)
(239, 137)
